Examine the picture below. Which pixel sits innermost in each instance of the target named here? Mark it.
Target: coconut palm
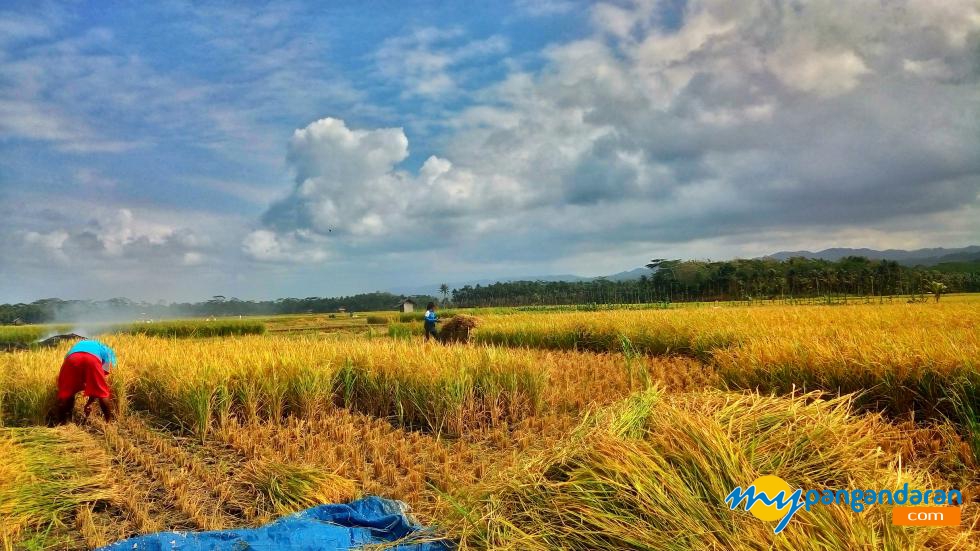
(937, 289)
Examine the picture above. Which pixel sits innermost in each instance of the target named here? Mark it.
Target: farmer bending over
(431, 319)
(85, 369)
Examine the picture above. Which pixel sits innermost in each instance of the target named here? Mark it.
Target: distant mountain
(923, 257)
(625, 276)
(433, 289)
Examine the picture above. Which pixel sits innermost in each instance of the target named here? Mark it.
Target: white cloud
(192, 259)
(36, 121)
(343, 178)
(17, 27)
(425, 61)
(928, 68)
(745, 120)
(92, 179)
(88, 91)
(731, 122)
(267, 246)
(545, 8)
(614, 19)
(956, 19)
(118, 236)
(349, 192)
(51, 243)
(823, 73)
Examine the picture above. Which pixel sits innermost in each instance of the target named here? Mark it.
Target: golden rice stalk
(289, 488)
(46, 476)
(654, 472)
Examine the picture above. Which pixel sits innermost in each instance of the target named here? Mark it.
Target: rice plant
(405, 330)
(654, 471)
(256, 378)
(192, 328)
(24, 336)
(919, 361)
(46, 477)
(28, 388)
(684, 332)
(544, 448)
(20, 336)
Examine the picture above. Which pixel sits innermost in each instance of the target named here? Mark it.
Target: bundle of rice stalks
(289, 488)
(457, 329)
(653, 473)
(46, 477)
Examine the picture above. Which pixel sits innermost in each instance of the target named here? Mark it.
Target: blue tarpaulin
(371, 520)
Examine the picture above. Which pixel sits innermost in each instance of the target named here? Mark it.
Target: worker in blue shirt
(85, 369)
(431, 319)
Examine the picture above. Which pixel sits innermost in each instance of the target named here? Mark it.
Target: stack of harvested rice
(457, 328)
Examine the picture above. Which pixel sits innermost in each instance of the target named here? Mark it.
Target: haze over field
(176, 152)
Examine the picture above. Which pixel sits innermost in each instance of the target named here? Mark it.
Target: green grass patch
(26, 335)
(405, 330)
(193, 328)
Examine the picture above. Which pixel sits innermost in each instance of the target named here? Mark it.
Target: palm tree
(444, 289)
(937, 288)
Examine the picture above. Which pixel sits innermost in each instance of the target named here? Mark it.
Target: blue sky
(174, 151)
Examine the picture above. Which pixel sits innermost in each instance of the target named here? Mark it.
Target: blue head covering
(96, 349)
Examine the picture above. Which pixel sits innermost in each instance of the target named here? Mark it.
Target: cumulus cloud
(348, 187)
(117, 237)
(344, 179)
(743, 119)
(293, 247)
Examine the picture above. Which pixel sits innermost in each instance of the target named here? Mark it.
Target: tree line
(117, 309)
(753, 279)
(669, 281)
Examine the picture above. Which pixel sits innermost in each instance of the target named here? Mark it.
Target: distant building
(342, 309)
(407, 305)
(17, 321)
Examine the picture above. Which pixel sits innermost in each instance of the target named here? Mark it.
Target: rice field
(27, 336)
(606, 429)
